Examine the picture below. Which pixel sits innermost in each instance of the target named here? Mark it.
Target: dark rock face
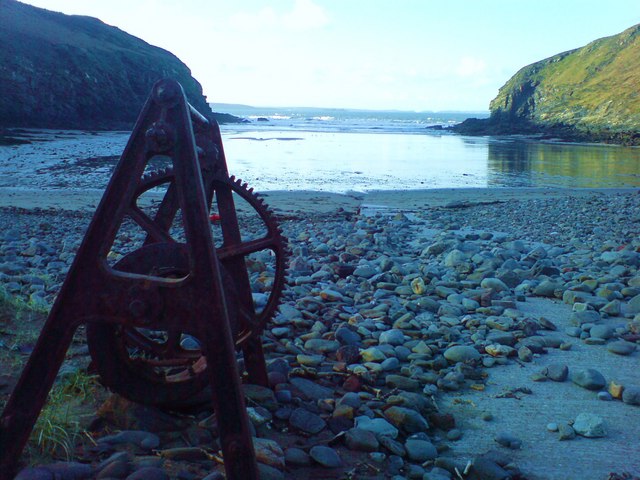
(76, 72)
(586, 94)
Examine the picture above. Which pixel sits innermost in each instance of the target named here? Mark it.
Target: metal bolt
(167, 92)
(138, 308)
(160, 137)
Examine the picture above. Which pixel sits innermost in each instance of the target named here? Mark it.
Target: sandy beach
(325, 202)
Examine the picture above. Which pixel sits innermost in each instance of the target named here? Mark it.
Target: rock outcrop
(76, 72)
(586, 94)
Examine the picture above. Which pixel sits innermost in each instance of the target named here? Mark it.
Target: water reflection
(340, 162)
(522, 163)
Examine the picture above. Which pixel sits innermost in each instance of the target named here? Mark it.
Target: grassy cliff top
(593, 87)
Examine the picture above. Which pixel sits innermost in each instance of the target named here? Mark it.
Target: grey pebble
(566, 432)
(307, 422)
(296, 457)
(589, 378)
(589, 425)
(420, 450)
(631, 395)
(361, 440)
(325, 456)
(148, 473)
(508, 440)
(621, 347)
(556, 372)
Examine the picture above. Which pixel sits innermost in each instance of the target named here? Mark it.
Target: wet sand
(323, 202)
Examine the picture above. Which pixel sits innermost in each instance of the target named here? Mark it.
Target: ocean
(341, 150)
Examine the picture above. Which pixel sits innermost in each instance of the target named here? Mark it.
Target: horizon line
(244, 105)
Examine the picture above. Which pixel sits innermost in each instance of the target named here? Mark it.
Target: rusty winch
(166, 321)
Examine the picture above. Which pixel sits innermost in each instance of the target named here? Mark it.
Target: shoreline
(297, 201)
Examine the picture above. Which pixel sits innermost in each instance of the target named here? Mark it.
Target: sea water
(356, 150)
(337, 150)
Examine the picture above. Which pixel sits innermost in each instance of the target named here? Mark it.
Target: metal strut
(175, 287)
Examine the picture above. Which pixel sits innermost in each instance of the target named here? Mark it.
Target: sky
(416, 55)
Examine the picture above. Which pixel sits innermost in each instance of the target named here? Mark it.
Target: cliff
(76, 72)
(587, 94)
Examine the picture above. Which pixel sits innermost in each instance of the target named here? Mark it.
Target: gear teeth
(278, 243)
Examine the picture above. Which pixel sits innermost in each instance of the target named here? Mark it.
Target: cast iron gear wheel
(166, 368)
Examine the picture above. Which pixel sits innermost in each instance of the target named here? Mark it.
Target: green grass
(591, 87)
(58, 428)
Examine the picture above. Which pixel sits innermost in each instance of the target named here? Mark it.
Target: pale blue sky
(373, 54)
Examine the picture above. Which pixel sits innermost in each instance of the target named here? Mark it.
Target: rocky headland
(588, 95)
(75, 72)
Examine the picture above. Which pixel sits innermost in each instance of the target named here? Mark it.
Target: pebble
(145, 440)
(621, 347)
(379, 426)
(566, 432)
(361, 440)
(508, 440)
(420, 450)
(556, 372)
(588, 378)
(487, 469)
(325, 456)
(461, 353)
(311, 390)
(402, 383)
(296, 457)
(604, 332)
(631, 395)
(418, 308)
(149, 473)
(589, 425)
(406, 419)
(306, 421)
(34, 473)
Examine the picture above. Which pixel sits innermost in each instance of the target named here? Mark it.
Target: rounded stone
(604, 332)
(406, 419)
(325, 456)
(508, 440)
(589, 425)
(379, 426)
(589, 378)
(149, 473)
(296, 457)
(566, 432)
(621, 347)
(494, 284)
(461, 353)
(31, 473)
(361, 440)
(631, 395)
(556, 372)
(394, 337)
(420, 450)
(306, 421)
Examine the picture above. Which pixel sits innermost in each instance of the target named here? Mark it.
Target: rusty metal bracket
(179, 286)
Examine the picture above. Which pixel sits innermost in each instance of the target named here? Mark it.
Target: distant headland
(76, 72)
(589, 94)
